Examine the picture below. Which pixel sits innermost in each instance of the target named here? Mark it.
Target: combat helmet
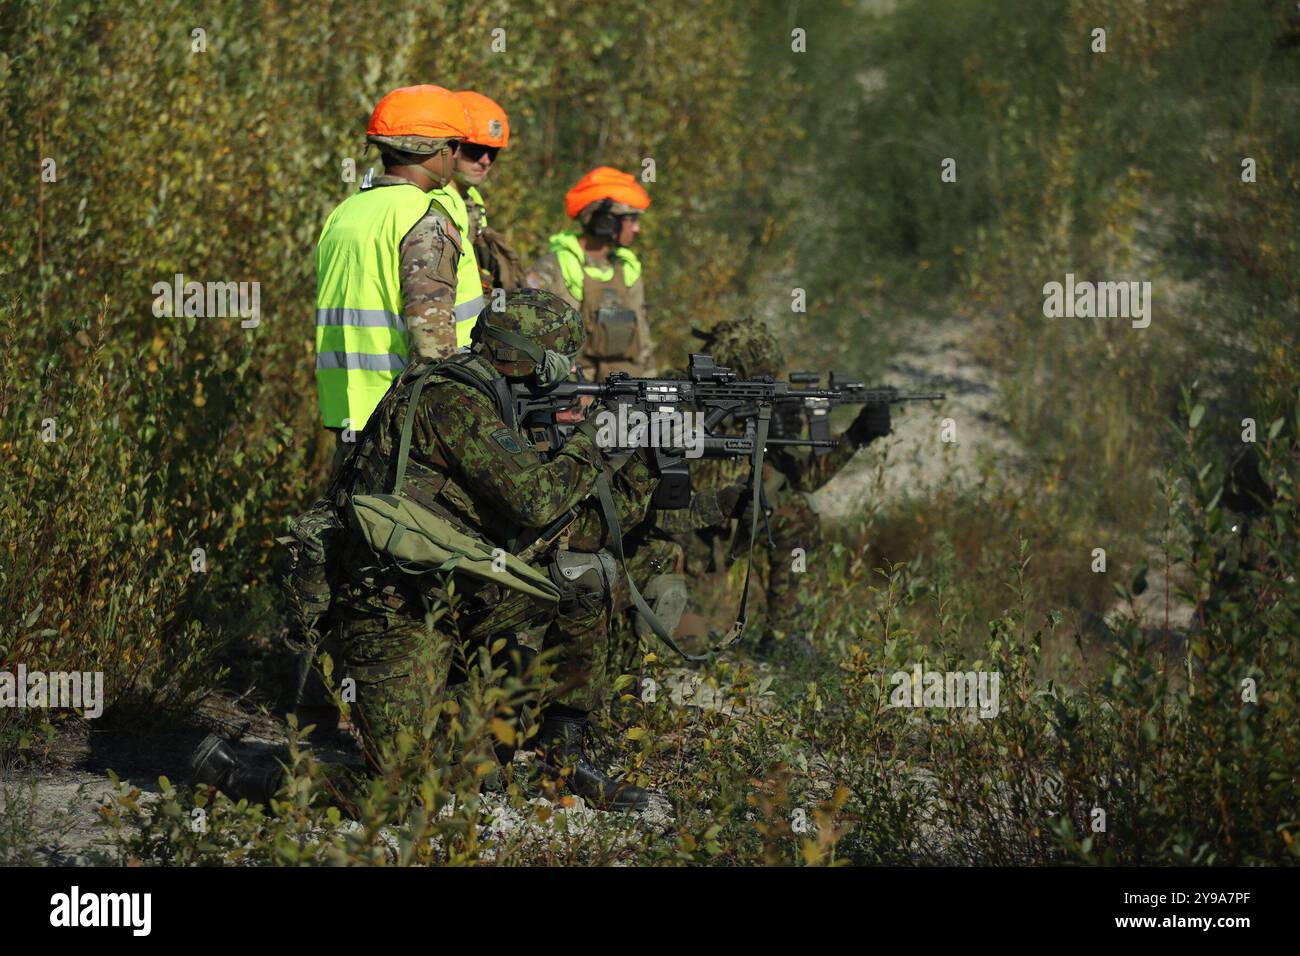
(744, 344)
(532, 323)
(418, 120)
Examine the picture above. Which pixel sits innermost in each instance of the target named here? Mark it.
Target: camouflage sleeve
(709, 508)
(498, 467)
(430, 253)
(632, 489)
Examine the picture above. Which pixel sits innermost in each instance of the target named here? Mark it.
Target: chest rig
(613, 335)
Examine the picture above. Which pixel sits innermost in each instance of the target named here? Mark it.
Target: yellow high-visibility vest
(361, 337)
(469, 286)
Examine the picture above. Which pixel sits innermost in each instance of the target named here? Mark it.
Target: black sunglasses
(475, 151)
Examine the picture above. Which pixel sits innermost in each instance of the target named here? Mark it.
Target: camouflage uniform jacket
(467, 464)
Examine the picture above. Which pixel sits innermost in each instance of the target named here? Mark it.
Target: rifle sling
(616, 538)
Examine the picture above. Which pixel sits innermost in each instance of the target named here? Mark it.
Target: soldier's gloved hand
(872, 423)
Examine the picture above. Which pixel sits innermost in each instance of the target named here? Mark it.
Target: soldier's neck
(415, 174)
(594, 247)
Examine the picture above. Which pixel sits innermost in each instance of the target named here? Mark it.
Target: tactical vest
(614, 341)
(499, 266)
(361, 337)
(429, 480)
(469, 286)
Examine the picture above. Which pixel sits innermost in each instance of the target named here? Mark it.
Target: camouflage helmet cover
(415, 145)
(746, 345)
(615, 209)
(533, 321)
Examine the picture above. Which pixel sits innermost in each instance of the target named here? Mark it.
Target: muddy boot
(560, 746)
(214, 764)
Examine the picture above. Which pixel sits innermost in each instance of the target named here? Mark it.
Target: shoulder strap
(454, 369)
(616, 537)
(457, 369)
(408, 425)
(607, 508)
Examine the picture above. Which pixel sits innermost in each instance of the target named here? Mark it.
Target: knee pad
(584, 579)
(667, 595)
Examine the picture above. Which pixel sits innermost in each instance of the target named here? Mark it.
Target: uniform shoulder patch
(438, 213)
(508, 441)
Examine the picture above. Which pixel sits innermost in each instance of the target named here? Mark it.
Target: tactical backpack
(401, 534)
(500, 264)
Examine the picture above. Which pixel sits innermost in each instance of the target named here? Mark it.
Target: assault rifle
(653, 413)
(634, 415)
(815, 404)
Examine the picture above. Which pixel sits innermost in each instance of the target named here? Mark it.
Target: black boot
(216, 765)
(561, 747)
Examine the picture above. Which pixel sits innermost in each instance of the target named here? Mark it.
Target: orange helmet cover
(420, 111)
(605, 182)
(488, 124)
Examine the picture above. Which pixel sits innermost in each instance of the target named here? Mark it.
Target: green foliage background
(774, 170)
(222, 165)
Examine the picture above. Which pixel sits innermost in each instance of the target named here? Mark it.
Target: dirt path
(933, 442)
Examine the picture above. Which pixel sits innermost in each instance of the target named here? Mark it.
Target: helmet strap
(514, 342)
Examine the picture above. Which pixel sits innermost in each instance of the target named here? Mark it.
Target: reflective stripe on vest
(573, 263)
(469, 286)
(361, 339)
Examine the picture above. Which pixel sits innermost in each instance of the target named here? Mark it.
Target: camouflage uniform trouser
(794, 525)
(651, 557)
(402, 660)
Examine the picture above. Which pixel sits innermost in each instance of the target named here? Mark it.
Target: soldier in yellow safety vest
(497, 264)
(387, 260)
(596, 272)
(489, 133)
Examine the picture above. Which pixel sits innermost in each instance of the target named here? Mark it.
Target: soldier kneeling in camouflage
(750, 347)
(443, 450)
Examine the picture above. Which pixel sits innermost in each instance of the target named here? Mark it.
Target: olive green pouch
(411, 538)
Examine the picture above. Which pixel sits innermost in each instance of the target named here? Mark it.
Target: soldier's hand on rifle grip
(872, 423)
